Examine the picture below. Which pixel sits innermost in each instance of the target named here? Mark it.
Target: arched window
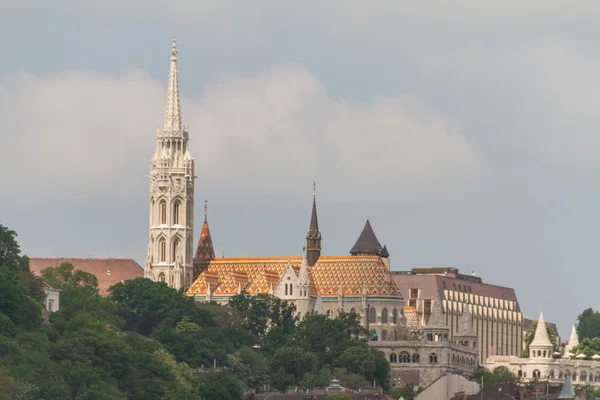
(161, 277)
(163, 212)
(384, 335)
(415, 358)
(560, 375)
(539, 353)
(176, 210)
(384, 316)
(175, 246)
(286, 289)
(394, 316)
(551, 374)
(583, 376)
(162, 250)
(433, 359)
(372, 316)
(329, 313)
(393, 358)
(574, 376)
(404, 357)
(291, 290)
(352, 310)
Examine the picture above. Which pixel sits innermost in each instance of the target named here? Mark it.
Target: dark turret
(367, 243)
(313, 236)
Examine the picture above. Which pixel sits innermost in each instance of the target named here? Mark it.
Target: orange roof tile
(109, 271)
(352, 273)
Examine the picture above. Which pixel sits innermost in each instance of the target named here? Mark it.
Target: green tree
(288, 366)
(588, 324)
(219, 386)
(66, 275)
(263, 312)
(499, 375)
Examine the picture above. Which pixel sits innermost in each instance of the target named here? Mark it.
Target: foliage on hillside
(148, 341)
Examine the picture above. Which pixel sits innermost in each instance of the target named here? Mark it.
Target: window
(415, 358)
(536, 374)
(162, 249)
(176, 209)
(393, 358)
(384, 316)
(433, 359)
(175, 248)
(286, 289)
(291, 290)
(352, 310)
(384, 335)
(50, 305)
(414, 293)
(163, 212)
(394, 316)
(404, 358)
(161, 277)
(372, 316)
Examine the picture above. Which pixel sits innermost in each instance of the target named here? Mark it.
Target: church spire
(313, 236)
(205, 250)
(173, 110)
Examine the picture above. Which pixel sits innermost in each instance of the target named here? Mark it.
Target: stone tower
(313, 235)
(171, 195)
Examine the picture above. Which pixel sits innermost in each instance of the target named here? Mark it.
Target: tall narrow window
(394, 316)
(384, 316)
(372, 316)
(162, 249)
(161, 277)
(286, 289)
(163, 212)
(176, 209)
(175, 248)
(291, 290)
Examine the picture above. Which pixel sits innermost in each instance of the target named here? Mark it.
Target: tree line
(148, 341)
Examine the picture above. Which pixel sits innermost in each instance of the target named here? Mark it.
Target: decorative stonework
(170, 249)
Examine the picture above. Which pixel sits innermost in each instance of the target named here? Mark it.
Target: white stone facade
(171, 241)
(52, 301)
(541, 365)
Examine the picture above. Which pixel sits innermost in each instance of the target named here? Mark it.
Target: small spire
(173, 110)
(313, 235)
(205, 209)
(314, 189)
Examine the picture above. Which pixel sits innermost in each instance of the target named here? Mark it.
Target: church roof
(540, 338)
(367, 242)
(261, 275)
(109, 271)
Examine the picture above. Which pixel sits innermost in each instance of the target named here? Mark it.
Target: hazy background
(467, 132)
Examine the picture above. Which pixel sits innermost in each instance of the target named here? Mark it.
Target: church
(360, 282)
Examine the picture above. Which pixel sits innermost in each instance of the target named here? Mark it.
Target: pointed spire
(384, 252)
(541, 339)
(573, 340)
(173, 110)
(303, 276)
(367, 243)
(567, 391)
(436, 318)
(205, 250)
(465, 327)
(313, 236)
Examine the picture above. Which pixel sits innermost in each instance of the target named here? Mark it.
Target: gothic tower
(313, 236)
(171, 195)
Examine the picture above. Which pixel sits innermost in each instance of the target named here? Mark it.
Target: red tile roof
(108, 270)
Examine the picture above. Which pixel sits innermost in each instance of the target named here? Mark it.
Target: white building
(544, 364)
(52, 301)
(170, 248)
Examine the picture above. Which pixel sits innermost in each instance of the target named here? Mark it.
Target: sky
(467, 132)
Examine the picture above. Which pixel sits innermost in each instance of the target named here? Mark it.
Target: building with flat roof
(495, 310)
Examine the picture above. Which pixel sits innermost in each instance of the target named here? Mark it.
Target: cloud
(274, 132)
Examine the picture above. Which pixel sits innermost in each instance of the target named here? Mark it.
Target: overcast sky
(466, 131)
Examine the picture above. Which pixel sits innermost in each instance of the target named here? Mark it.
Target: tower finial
(314, 189)
(173, 110)
(205, 208)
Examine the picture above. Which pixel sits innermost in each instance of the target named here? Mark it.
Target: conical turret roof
(205, 249)
(436, 318)
(384, 252)
(541, 338)
(465, 325)
(573, 340)
(567, 391)
(367, 242)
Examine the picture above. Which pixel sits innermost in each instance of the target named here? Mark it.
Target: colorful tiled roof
(109, 271)
(205, 249)
(226, 276)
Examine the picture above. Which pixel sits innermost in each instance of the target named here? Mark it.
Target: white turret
(573, 340)
(541, 346)
(170, 250)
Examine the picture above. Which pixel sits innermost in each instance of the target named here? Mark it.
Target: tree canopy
(146, 340)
